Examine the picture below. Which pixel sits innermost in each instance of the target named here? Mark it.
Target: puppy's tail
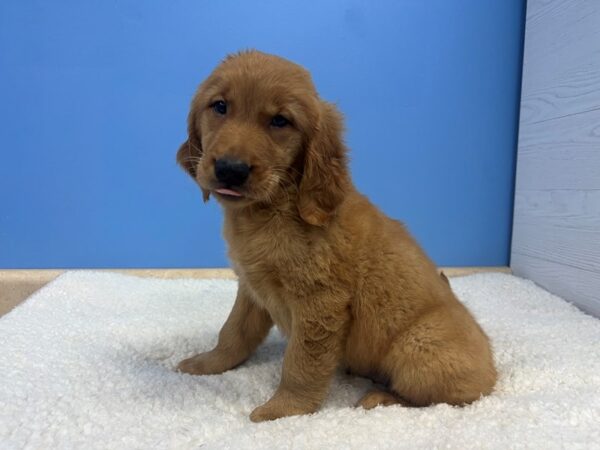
(445, 278)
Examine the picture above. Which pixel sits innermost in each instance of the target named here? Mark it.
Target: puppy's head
(257, 130)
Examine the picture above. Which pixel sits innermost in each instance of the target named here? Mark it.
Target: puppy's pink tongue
(224, 191)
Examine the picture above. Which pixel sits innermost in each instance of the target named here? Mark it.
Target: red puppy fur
(347, 285)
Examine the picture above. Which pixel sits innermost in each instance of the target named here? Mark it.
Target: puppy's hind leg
(443, 358)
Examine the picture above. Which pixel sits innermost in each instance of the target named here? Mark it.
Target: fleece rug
(88, 362)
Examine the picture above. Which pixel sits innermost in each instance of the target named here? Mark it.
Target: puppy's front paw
(267, 412)
(208, 363)
(193, 366)
(280, 406)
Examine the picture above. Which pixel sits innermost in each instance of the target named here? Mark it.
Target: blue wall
(94, 97)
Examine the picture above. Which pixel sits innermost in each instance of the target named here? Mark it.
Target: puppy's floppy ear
(190, 152)
(325, 178)
(187, 157)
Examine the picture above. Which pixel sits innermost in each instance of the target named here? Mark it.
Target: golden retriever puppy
(346, 285)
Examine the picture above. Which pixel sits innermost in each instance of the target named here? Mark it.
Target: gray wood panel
(568, 208)
(556, 230)
(562, 153)
(567, 245)
(562, 74)
(577, 286)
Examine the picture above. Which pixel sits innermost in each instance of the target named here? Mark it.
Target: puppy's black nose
(231, 172)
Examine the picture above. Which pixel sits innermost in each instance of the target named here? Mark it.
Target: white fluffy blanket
(88, 362)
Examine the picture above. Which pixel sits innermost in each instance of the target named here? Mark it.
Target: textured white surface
(88, 361)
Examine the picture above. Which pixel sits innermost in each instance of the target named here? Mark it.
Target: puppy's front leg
(245, 328)
(314, 351)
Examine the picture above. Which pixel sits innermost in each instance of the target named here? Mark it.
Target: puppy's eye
(279, 121)
(220, 107)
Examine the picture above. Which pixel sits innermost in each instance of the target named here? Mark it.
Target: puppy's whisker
(288, 168)
(283, 176)
(280, 183)
(192, 159)
(199, 150)
(286, 185)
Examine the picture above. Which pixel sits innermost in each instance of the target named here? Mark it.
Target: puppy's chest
(274, 259)
(269, 280)
(270, 265)
(270, 248)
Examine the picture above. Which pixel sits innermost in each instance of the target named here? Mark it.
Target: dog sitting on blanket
(347, 285)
